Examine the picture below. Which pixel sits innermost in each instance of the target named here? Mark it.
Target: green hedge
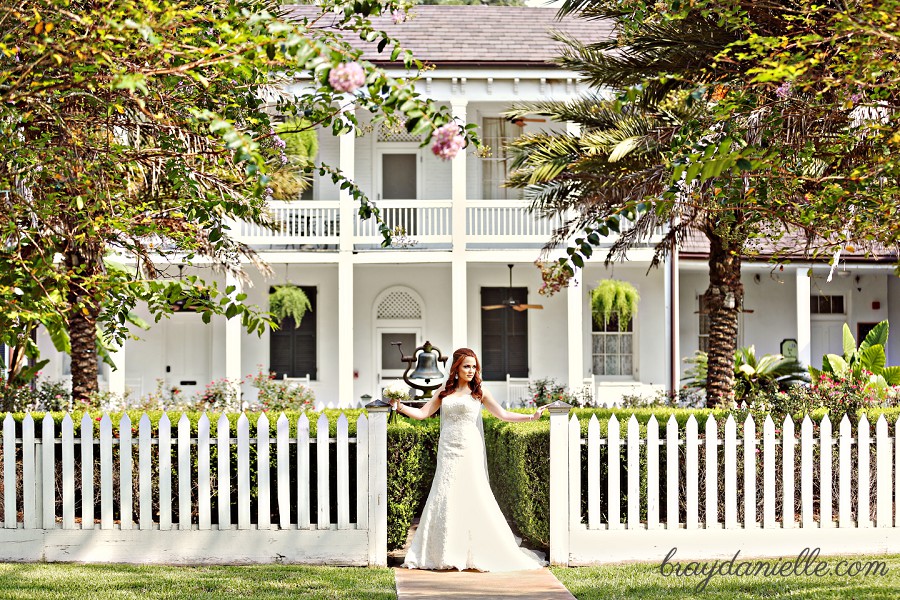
(519, 467)
(412, 455)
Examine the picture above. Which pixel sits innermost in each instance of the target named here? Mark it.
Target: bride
(462, 526)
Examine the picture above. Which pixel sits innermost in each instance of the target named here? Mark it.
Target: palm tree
(611, 171)
(619, 167)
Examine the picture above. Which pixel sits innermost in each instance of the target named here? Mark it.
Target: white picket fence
(667, 512)
(40, 521)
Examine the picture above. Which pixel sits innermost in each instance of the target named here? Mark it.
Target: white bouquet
(397, 390)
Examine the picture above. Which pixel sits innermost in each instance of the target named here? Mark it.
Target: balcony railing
(303, 223)
(420, 223)
(507, 222)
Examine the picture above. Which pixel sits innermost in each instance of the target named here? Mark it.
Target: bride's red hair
(452, 382)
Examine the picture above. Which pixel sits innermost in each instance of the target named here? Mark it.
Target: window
(613, 350)
(504, 335)
(497, 133)
(826, 305)
(292, 350)
(703, 341)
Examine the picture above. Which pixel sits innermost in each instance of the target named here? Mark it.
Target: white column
(233, 333)
(346, 354)
(575, 303)
(804, 335)
(117, 375)
(347, 164)
(673, 321)
(459, 279)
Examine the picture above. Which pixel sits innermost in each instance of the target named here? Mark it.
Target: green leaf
(849, 342)
(835, 365)
(873, 359)
(891, 375)
(878, 335)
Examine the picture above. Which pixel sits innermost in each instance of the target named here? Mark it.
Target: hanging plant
(289, 301)
(614, 297)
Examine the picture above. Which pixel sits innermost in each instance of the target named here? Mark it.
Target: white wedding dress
(461, 526)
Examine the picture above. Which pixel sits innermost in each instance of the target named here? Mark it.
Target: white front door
(826, 337)
(187, 358)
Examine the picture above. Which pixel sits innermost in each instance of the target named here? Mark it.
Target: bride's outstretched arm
(419, 414)
(498, 411)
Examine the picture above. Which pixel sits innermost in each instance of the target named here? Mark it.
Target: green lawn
(646, 581)
(269, 582)
(74, 582)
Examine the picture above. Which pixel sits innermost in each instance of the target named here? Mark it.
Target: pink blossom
(346, 77)
(398, 16)
(447, 141)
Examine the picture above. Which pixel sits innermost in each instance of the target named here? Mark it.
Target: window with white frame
(822, 304)
(497, 133)
(612, 350)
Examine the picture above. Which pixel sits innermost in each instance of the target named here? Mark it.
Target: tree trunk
(724, 300)
(84, 307)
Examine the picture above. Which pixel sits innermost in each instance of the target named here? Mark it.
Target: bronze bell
(426, 367)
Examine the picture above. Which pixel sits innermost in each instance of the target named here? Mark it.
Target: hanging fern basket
(289, 301)
(611, 298)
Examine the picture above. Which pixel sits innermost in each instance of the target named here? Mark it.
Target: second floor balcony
(416, 225)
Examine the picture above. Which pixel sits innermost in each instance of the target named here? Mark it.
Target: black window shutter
(292, 350)
(504, 335)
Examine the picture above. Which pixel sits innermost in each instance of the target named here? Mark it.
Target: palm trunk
(84, 308)
(723, 301)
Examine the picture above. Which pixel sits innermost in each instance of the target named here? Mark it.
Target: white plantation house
(460, 229)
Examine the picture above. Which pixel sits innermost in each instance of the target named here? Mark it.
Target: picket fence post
(787, 473)
(29, 506)
(672, 491)
(303, 516)
(559, 482)
(48, 465)
(378, 411)
(825, 473)
(263, 478)
(9, 472)
(323, 498)
(126, 470)
(593, 474)
(87, 472)
(203, 482)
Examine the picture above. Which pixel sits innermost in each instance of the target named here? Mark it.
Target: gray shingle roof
(475, 35)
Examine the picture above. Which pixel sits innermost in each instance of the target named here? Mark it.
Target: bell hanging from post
(426, 367)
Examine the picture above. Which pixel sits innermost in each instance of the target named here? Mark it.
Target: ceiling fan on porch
(510, 302)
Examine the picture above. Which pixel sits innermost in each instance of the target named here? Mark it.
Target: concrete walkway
(538, 584)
